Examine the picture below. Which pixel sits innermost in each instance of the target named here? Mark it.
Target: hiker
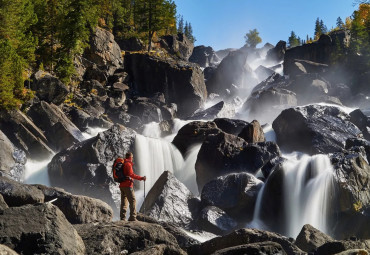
(127, 188)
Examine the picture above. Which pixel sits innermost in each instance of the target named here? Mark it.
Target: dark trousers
(128, 196)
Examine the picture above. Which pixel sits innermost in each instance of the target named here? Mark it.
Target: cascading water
(307, 187)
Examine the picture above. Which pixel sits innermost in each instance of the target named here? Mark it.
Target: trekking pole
(144, 201)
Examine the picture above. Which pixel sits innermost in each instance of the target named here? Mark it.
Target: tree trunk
(150, 41)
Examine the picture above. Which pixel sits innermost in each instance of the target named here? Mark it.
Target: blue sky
(223, 23)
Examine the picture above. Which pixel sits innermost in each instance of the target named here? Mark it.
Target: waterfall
(306, 188)
(36, 172)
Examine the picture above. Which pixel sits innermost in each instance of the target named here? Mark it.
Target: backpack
(117, 170)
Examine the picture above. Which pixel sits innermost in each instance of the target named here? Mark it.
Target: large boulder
(319, 52)
(231, 75)
(39, 229)
(351, 204)
(194, 133)
(204, 56)
(169, 200)
(59, 130)
(85, 168)
(265, 248)
(253, 133)
(304, 66)
(5, 250)
(314, 129)
(277, 53)
(18, 194)
(310, 238)
(12, 160)
(49, 88)
(263, 72)
(160, 249)
(121, 236)
(241, 237)
(25, 135)
(131, 44)
(180, 82)
(230, 126)
(178, 45)
(215, 220)
(219, 110)
(236, 194)
(77, 209)
(224, 153)
(339, 247)
(104, 51)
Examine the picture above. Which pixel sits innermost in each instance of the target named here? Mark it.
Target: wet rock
(204, 56)
(180, 82)
(17, 194)
(6, 250)
(39, 229)
(119, 236)
(12, 160)
(215, 220)
(219, 110)
(235, 194)
(263, 72)
(193, 133)
(223, 153)
(314, 129)
(230, 126)
(3, 204)
(168, 200)
(25, 135)
(56, 125)
(277, 53)
(241, 237)
(178, 45)
(85, 168)
(310, 238)
(49, 88)
(231, 75)
(77, 209)
(304, 66)
(266, 248)
(104, 51)
(253, 133)
(352, 144)
(361, 121)
(351, 205)
(337, 247)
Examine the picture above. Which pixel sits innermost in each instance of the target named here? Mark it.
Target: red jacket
(127, 170)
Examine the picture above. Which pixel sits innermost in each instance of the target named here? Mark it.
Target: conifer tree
(252, 38)
(318, 30)
(340, 23)
(180, 27)
(294, 40)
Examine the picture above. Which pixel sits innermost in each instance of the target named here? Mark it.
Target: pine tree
(180, 27)
(323, 28)
(252, 38)
(340, 23)
(318, 30)
(294, 40)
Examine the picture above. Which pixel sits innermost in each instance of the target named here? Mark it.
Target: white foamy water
(307, 188)
(92, 132)
(341, 107)
(270, 134)
(36, 172)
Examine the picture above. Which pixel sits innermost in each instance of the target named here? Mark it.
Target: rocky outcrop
(266, 248)
(3, 204)
(242, 237)
(178, 45)
(314, 129)
(12, 160)
(55, 125)
(223, 153)
(160, 249)
(39, 229)
(24, 134)
(180, 82)
(169, 200)
(49, 88)
(339, 247)
(219, 110)
(232, 75)
(277, 53)
(235, 194)
(131, 44)
(215, 220)
(352, 190)
(121, 236)
(309, 239)
(263, 72)
(361, 121)
(204, 56)
(77, 209)
(85, 168)
(194, 133)
(17, 194)
(253, 133)
(305, 66)
(104, 51)
(6, 250)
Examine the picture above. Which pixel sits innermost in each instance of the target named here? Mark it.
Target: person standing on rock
(127, 188)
